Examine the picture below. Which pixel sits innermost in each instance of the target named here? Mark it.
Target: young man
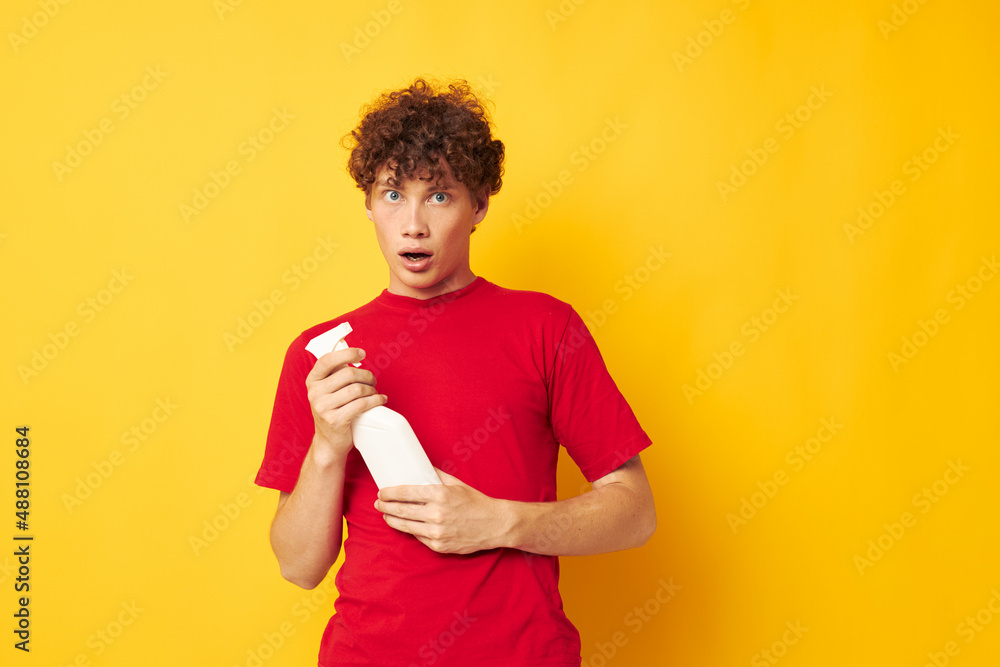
(493, 381)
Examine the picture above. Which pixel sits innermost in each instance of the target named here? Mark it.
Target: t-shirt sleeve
(291, 429)
(588, 413)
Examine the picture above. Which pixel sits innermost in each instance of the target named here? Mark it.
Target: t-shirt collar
(387, 298)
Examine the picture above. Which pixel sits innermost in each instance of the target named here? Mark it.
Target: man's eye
(439, 197)
(392, 195)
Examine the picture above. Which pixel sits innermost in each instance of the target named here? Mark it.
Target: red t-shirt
(492, 381)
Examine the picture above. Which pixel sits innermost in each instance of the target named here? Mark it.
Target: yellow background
(559, 73)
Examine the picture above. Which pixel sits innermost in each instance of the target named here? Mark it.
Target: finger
(324, 401)
(409, 493)
(396, 523)
(350, 410)
(332, 361)
(343, 375)
(406, 526)
(360, 382)
(449, 480)
(408, 511)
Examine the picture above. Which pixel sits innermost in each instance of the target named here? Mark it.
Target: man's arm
(306, 532)
(618, 513)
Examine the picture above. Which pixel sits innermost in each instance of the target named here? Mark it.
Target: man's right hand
(339, 392)
(307, 530)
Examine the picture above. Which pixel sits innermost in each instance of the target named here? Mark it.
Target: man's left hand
(451, 517)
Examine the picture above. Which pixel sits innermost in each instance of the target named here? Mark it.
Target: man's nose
(414, 224)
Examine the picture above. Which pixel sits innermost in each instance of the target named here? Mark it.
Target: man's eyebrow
(426, 187)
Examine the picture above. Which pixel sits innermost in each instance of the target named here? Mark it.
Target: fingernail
(362, 354)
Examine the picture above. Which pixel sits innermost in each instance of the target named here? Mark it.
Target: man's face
(423, 229)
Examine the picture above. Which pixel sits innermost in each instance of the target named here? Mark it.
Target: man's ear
(482, 204)
(368, 206)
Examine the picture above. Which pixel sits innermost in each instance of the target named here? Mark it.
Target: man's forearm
(610, 518)
(453, 517)
(308, 527)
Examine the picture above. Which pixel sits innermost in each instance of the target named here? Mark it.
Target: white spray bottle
(384, 438)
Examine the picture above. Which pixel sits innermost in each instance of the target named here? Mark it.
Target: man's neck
(452, 284)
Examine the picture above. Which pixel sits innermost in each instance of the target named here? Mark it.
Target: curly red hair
(418, 127)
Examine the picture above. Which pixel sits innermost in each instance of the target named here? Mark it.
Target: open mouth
(415, 256)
